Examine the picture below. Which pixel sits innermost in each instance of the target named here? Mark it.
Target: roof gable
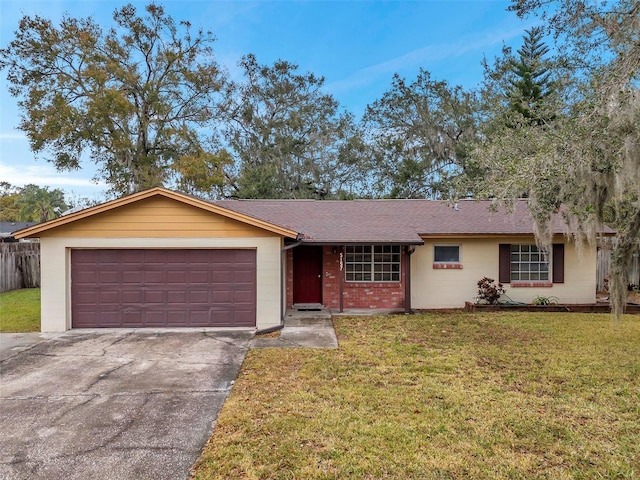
(155, 213)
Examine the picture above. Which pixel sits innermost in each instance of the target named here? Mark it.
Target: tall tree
(134, 97)
(519, 91)
(9, 208)
(39, 204)
(531, 77)
(288, 138)
(588, 159)
(418, 133)
(521, 87)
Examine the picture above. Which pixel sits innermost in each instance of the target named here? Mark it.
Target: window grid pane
(372, 263)
(528, 264)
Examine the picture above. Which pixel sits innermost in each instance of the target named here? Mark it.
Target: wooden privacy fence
(19, 265)
(605, 246)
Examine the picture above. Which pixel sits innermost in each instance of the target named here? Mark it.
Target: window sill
(541, 284)
(447, 266)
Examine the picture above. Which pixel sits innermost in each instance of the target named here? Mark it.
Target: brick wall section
(358, 295)
(331, 278)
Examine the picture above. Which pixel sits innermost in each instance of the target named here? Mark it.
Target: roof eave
(478, 235)
(308, 241)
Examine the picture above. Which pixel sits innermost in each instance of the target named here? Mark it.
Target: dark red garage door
(163, 288)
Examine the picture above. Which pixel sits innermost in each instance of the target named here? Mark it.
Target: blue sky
(357, 46)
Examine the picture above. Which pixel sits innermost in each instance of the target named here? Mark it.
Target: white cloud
(426, 56)
(47, 176)
(13, 136)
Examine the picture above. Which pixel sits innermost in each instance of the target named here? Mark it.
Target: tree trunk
(620, 261)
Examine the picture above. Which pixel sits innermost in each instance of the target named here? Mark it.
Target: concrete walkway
(302, 329)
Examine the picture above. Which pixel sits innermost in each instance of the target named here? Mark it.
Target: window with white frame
(446, 253)
(372, 263)
(528, 263)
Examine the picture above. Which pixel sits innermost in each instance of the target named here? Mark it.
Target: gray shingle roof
(388, 221)
(7, 228)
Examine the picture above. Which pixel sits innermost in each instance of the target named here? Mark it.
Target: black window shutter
(558, 262)
(504, 267)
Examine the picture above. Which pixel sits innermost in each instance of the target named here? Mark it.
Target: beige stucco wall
(451, 288)
(56, 268)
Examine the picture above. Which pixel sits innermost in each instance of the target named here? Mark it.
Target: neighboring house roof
(7, 228)
(386, 221)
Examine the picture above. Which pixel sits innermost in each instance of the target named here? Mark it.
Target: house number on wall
(341, 261)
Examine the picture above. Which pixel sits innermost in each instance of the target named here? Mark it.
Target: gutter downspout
(342, 259)
(293, 245)
(275, 328)
(407, 278)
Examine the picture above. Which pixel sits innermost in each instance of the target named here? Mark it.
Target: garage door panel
(108, 319)
(177, 257)
(126, 256)
(84, 297)
(223, 297)
(152, 277)
(154, 296)
(155, 288)
(199, 297)
(130, 317)
(244, 318)
(242, 277)
(201, 318)
(132, 276)
(176, 276)
(108, 277)
(85, 277)
(199, 276)
(132, 296)
(176, 297)
(109, 297)
(220, 277)
(241, 297)
(177, 316)
(155, 256)
(155, 318)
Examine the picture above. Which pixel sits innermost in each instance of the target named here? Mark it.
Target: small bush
(488, 291)
(541, 300)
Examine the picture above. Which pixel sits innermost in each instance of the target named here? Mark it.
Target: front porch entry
(307, 275)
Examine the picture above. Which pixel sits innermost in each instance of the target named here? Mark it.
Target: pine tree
(531, 79)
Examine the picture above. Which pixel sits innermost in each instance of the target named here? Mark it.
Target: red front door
(307, 274)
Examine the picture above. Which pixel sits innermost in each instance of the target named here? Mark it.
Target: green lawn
(20, 310)
(439, 396)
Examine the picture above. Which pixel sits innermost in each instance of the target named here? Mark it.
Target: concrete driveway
(114, 405)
